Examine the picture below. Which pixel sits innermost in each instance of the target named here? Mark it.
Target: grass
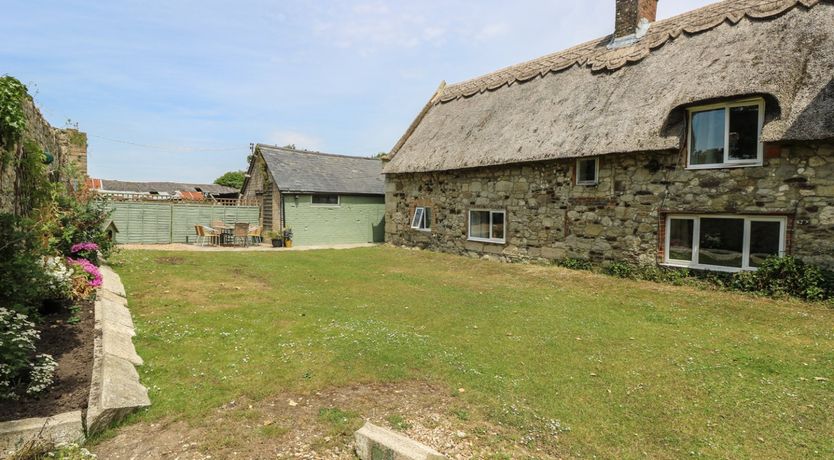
(616, 368)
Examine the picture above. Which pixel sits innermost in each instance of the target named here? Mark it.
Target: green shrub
(785, 276)
(20, 369)
(620, 270)
(22, 276)
(576, 264)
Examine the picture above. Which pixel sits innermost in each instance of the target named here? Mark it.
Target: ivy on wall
(12, 118)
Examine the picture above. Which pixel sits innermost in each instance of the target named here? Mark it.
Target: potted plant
(276, 238)
(287, 237)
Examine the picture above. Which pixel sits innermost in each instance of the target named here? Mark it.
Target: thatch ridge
(596, 55)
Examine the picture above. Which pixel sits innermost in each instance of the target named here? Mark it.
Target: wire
(163, 147)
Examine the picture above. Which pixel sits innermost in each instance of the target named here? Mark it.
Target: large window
(727, 243)
(587, 171)
(487, 226)
(326, 200)
(726, 135)
(421, 220)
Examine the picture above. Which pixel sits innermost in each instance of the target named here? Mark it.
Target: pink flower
(87, 246)
(90, 268)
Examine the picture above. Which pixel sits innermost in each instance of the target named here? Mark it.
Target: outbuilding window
(487, 226)
(421, 219)
(587, 171)
(726, 135)
(325, 200)
(721, 242)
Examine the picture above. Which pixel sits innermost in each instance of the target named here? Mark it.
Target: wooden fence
(162, 222)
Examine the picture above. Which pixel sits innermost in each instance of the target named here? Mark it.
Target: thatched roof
(300, 171)
(592, 100)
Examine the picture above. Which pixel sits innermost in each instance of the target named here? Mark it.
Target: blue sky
(176, 90)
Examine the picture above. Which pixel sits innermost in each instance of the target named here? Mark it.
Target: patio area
(255, 247)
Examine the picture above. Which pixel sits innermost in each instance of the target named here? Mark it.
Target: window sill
(325, 206)
(486, 240)
(725, 166)
(588, 184)
(711, 268)
(422, 230)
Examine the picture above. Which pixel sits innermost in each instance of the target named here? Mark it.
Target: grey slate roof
(315, 172)
(162, 187)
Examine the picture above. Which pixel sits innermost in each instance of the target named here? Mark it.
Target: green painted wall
(153, 223)
(357, 219)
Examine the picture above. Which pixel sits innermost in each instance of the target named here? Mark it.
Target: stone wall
(621, 218)
(50, 139)
(74, 144)
(261, 188)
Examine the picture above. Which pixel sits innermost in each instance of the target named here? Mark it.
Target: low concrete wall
(115, 390)
(377, 443)
(66, 427)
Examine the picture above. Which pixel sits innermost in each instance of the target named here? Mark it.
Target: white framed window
(488, 226)
(726, 135)
(723, 242)
(421, 220)
(587, 171)
(325, 200)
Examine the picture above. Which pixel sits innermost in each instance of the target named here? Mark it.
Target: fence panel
(160, 223)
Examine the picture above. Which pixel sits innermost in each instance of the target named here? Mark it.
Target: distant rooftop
(117, 186)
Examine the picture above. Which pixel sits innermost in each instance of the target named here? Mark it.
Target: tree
(232, 179)
(380, 155)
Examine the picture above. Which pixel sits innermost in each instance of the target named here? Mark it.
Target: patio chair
(241, 233)
(209, 235)
(255, 235)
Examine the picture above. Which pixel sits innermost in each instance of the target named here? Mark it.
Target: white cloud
(299, 139)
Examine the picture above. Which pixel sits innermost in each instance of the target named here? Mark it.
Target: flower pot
(287, 243)
(277, 243)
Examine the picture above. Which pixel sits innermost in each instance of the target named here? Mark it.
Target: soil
(71, 345)
(301, 426)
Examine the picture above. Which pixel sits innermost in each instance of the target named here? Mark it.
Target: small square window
(421, 219)
(487, 226)
(326, 200)
(587, 171)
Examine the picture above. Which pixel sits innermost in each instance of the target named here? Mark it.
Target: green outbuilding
(324, 198)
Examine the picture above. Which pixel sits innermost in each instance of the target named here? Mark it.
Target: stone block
(113, 312)
(377, 443)
(118, 343)
(115, 392)
(113, 297)
(112, 281)
(66, 427)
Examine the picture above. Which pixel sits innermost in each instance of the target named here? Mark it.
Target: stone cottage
(324, 198)
(705, 140)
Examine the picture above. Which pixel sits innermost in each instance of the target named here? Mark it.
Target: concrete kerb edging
(374, 442)
(115, 390)
(67, 427)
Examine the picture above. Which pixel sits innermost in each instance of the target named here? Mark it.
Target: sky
(176, 90)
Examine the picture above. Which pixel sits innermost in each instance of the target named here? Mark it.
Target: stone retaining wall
(621, 218)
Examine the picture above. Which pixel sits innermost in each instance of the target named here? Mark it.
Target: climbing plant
(12, 118)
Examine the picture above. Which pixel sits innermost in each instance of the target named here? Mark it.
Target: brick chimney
(630, 13)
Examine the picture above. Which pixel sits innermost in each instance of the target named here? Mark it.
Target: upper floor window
(487, 226)
(726, 135)
(421, 219)
(587, 171)
(326, 200)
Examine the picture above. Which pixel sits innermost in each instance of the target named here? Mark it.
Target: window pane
(479, 224)
(427, 218)
(744, 133)
(587, 170)
(764, 241)
(721, 241)
(498, 225)
(418, 218)
(325, 199)
(680, 239)
(707, 137)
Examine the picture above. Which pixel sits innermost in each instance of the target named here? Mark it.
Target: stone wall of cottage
(261, 188)
(623, 217)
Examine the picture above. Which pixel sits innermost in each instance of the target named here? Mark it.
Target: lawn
(567, 363)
